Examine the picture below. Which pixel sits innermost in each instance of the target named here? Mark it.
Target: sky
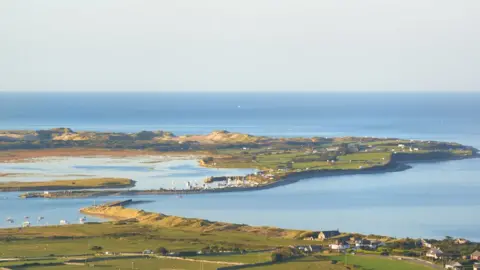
(243, 45)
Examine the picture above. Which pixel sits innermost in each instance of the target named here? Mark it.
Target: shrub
(96, 248)
(276, 257)
(161, 250)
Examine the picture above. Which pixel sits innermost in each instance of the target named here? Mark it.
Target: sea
(431, 200)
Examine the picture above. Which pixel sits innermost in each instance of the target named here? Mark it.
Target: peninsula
(277, 161)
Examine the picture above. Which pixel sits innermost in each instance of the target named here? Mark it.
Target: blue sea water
(430, 200)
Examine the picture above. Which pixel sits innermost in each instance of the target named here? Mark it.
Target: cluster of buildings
(346, 242)
(436, 253)
(225, 182)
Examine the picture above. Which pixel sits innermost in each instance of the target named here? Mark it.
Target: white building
(434, 253)
(454, 266)
(339, 245)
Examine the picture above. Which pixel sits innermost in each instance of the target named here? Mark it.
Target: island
(276, 161)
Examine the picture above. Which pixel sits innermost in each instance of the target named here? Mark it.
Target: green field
(141, 264)
(241, 258)
(302, 263)
(66, 184)
(55, 244)
(360, 262)
(379, 263)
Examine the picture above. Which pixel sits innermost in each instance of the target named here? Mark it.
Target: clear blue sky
(244, 45)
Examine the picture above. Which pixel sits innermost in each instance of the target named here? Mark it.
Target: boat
(40, 218)
(82, 220)
(10, 220)
(63, 222)
(26, 224)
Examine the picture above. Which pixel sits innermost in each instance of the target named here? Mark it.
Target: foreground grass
(379, 263)
(311, 262)
(66, 184)
(257, 257)
(62, 243)
(360, 262)
(78, 239)
(125, 263)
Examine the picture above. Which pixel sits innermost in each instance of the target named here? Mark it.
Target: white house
(434, 253)
(339, 245)
(454, 266)
(365, 243)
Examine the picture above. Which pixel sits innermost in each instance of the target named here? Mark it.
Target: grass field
(61, 243)
(241, 258)
(77, 239)
(140, 264)
(323, 262)
(360, 262)
(67, 184)
(379, 263)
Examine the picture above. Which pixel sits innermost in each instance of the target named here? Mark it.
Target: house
(308, 248)
(362, 243)
(322, 235)
(367, 244)
(475, 256)
(476, 266)
(461, 241)
(454, 266)
(339, 245)
(434, 253)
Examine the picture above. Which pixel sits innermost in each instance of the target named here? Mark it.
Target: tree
(161, 250)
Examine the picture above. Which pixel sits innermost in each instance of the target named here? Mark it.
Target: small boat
(10, 220)
(82, 220)
(26, 224)
(40, 218)
(27, 217)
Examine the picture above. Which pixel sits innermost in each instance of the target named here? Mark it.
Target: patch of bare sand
(28, 155)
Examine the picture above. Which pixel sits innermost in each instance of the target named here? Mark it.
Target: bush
(161, 250)
(96, 248)
(276, 257)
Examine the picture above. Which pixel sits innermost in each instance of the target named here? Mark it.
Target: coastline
(397, 163)
(289, 179)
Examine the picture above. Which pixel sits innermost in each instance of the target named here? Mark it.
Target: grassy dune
(67, 184)
(193, 224)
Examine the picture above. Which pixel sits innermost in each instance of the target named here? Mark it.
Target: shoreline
(289, 179)
(394, 165)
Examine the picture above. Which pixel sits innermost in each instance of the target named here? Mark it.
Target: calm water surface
(430, 200)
